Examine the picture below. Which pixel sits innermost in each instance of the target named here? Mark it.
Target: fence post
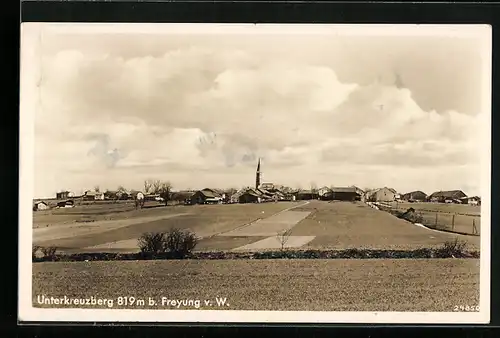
(453, 222)
(436, 220)
(474, 229)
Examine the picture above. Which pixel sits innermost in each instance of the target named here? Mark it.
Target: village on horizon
(161, 192)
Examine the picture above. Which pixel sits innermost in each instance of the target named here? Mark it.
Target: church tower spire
(257, 176)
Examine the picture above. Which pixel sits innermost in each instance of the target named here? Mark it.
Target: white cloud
(110, 120)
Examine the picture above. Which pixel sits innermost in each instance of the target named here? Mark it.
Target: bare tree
(230, 192)
(156, 186)
(97, 188)
(121, 188)
(314, 187)
(165, 191)
(147, 186)
(283, 237)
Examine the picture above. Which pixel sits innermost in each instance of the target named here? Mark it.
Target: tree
(97, 189)
(147, 186)
(121, 188)
(156, 186)
(165, 191)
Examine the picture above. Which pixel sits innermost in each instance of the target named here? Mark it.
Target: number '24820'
(466, 308)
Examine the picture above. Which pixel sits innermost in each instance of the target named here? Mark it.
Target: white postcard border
(31, 33)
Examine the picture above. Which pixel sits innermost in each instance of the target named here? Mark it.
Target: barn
(447, 196)
(206, 196)
(415, 196)
(249, 196)
(307, 195)
(181, 196)
(345, 194)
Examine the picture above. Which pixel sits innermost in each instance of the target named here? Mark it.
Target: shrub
(454, 249)
(49, 252)
(180, 243)
(176, 242)
(411, 216)
(152, 242)
(34, 251)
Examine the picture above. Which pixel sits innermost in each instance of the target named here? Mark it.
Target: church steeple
(257, 176)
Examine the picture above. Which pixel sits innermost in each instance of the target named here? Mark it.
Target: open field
(311, 285)
(452, 217)
(65, 229)
(453, 208)
(313, 224)
(339, 225)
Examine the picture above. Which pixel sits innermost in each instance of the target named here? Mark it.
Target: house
(345, 194)
(306, 195)
(41, 205)
(447, 196)
(115, 195)
(264, 194)
(474, 200)
(206, 196)
(181, 196)
(414, 196)
(278, 196)
(384, 194)
(249, 196)
(235, 198)
(91, 195)
(63, 195)
(152, 198)
(324, 193)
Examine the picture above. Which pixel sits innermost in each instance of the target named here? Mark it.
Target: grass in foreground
(306, 285)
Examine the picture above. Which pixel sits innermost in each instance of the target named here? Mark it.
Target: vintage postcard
(255, 173)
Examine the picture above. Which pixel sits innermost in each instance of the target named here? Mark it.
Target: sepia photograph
(255, 173)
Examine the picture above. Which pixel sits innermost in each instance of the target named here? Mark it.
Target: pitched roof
(215, 192)
(344, 189)
(448, 194)
(208, 193)
(182, 194)
(371, 192)
(251, 193)
(411, 193)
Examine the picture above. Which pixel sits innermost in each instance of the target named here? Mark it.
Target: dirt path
(271, 225)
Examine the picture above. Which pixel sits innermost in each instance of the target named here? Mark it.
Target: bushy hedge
(454, 249)
(174, 243)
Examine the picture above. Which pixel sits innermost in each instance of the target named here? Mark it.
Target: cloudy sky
(198, 110)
